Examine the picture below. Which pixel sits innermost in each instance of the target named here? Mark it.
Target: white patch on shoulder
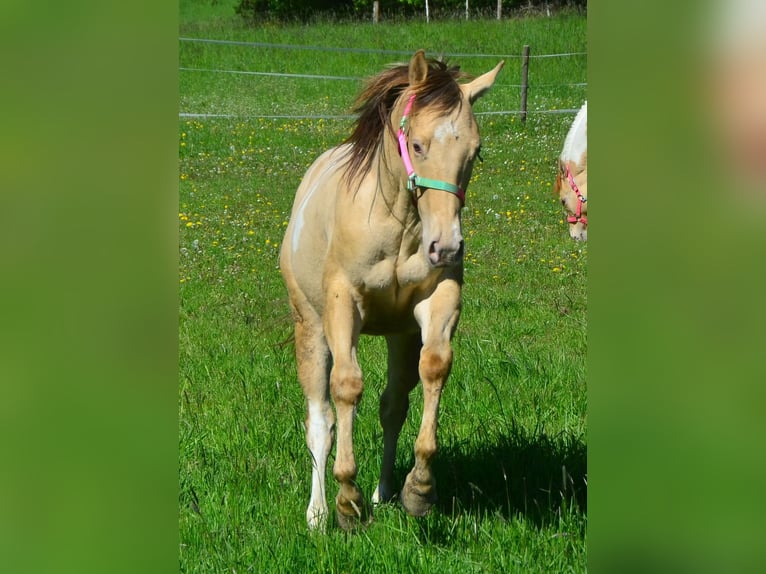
(444, 130)
(576, 143)
(299, 216)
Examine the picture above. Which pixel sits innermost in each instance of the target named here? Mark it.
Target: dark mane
(375, 102)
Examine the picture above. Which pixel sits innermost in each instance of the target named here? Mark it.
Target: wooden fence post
(499, 9)
(375, 12)
(524, 82)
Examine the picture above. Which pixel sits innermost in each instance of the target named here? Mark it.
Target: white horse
(572, 177)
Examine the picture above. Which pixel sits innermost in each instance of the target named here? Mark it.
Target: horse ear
(418, 68)
(479, 86)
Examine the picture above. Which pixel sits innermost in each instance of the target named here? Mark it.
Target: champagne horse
(375, 246)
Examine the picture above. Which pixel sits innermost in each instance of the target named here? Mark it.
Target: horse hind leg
(313, 361)
(403, 355)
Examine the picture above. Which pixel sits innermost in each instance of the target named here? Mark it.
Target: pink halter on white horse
(572, 177)
(375, 246)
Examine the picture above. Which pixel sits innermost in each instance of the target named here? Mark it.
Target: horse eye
(416, 147)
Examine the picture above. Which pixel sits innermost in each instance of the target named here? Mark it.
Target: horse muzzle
(445, 254)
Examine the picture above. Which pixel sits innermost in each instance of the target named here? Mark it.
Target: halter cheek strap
(578, 217)
(414, 180)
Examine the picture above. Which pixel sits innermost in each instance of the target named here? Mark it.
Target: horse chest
(390, 290)
(399, 274)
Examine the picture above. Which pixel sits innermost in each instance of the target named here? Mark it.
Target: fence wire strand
(363, 50)
(350, 78)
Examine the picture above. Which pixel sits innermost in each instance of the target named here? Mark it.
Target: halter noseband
(580, 200)
(413, 180)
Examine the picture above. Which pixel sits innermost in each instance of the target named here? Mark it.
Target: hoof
(418, 499)
(351, 515)
(317, 522)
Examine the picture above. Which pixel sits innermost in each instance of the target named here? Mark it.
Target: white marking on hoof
(316, 518)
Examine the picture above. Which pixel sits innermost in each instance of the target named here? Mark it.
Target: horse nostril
(459, 254)
(434, 253)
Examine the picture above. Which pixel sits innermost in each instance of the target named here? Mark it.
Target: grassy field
(511, 469)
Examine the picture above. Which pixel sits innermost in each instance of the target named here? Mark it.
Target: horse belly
(385, 313)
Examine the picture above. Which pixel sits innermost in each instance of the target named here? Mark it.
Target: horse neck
(576, 142)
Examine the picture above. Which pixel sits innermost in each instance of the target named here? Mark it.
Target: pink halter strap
(402, 137)
(578, 217)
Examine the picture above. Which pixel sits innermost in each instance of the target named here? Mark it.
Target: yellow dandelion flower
(556, 269)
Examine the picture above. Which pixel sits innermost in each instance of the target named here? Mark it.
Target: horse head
(572, 189)
(439, 142)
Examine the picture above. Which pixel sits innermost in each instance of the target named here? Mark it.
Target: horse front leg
(342, 325)
(438, 317)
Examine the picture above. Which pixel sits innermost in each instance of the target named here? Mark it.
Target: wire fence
(349, 78)
(525, 56)
(366, 50)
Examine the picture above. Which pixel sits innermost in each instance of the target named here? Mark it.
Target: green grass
(511, 469)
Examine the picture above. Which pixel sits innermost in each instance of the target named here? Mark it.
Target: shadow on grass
(538, 477)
